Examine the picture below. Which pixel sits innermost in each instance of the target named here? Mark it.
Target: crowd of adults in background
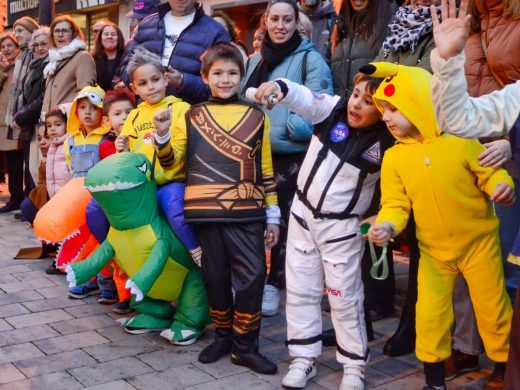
(308, 42)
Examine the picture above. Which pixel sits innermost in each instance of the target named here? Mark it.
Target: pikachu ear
(380, 69)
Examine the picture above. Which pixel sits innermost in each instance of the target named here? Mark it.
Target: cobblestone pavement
(48, 341)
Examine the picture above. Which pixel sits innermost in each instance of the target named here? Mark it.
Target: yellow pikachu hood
(408, 89)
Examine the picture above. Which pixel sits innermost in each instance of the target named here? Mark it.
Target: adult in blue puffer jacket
(179, 32)
(284, 54)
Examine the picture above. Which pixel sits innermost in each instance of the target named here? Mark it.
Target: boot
(403, 340)
(213, 352)
(254, 361)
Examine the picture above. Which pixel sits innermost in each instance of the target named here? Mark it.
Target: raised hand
(162, 121)
(451, 34)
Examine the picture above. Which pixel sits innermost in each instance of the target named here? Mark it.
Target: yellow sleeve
(67, 154)
(396, 205)
(179, 139)
(271, 198)
(128, 129)
(487, 177)
(172, 156)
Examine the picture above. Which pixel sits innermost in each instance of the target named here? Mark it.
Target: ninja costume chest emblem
(339, 132)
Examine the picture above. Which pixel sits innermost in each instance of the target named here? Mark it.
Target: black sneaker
(254, 361)
(496, 380)
(215, 350)
(52, 270)
(430, 387)
(459, 363)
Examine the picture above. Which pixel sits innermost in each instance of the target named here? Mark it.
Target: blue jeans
(28, 210)
(509, 217)
(170, 197)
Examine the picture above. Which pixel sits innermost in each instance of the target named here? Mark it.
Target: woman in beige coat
(11, 147)
(70, 67)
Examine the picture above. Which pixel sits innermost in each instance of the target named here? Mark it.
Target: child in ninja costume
(230, 189)
(438, 176)
(335, 191)
(147, 79)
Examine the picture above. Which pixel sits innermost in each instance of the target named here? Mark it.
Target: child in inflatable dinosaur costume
(159, 268)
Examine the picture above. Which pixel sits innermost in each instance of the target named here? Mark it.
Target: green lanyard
(382, 262)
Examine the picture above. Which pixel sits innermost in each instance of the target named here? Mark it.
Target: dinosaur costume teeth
(117, 186)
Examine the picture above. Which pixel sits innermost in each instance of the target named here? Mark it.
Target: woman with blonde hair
(70, 66)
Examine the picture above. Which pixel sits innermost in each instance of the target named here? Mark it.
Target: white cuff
(161, 140)
(445, 68)
(71, 277)
(134, 290)
(273, 214)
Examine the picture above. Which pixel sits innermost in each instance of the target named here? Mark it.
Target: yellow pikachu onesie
(441, 181)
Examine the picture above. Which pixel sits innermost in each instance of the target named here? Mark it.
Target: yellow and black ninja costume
(229, 187)
(440, 179)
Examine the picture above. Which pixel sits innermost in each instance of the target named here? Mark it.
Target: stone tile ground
(48, 341)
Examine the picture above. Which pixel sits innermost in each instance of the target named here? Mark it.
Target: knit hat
(143, 8)
(28, 23)
(95, 96)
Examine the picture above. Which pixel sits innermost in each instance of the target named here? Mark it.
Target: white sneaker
(270, 301)
(352, 378)
(300, 371)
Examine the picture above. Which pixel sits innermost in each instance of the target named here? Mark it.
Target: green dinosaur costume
(159, 268)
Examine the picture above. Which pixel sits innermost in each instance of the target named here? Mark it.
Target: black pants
(233, 255)
(29, 182)
(14, 159)
(286, 169)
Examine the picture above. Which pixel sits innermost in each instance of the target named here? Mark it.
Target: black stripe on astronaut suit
(349, 151)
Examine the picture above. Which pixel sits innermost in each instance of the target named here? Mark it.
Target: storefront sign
(18, 8)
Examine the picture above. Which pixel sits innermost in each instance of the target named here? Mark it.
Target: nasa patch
(339, 132)
(373, 154)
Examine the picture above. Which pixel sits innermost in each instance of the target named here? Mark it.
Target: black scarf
(229, 100)
(34, 74)
(272, 55)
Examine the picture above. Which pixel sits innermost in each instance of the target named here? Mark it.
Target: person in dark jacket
(321, 14)
(179, 32)
(108, 53)
(34, 84)
(356, 39)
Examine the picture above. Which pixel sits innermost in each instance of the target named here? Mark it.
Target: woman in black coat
(108, 53)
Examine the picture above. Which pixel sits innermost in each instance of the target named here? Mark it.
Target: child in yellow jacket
(86, 131)
(438, 176)
(148, 80)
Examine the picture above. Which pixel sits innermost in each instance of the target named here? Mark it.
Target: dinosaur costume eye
(142, 168)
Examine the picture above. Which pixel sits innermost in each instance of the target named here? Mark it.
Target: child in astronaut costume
(438, 176)
(335, 190)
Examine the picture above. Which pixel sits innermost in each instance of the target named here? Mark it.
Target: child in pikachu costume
(438, 176)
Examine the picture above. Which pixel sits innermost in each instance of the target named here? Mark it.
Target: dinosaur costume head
(123, 187)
